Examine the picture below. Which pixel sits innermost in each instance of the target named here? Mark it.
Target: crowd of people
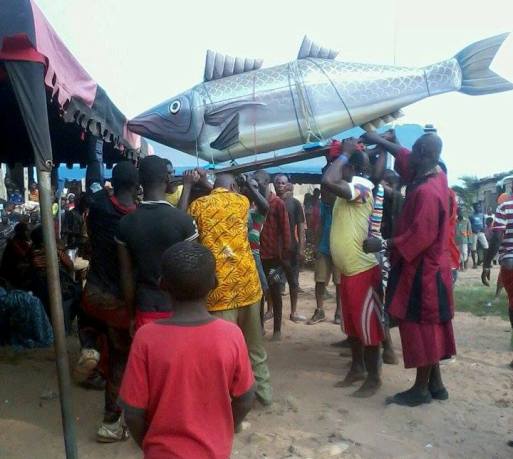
(180, 280)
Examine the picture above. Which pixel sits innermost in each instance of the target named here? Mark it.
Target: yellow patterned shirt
(222, 220)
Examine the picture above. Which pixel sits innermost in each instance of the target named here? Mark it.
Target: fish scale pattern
(320, 95)
(358, 84)
(444, 75)
(245, 84)
(364, 84)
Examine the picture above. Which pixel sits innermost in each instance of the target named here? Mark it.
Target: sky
(142, 52)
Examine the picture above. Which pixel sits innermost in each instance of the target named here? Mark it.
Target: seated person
(16, 258)
(23, 321)
(71, 290)
(188, 383)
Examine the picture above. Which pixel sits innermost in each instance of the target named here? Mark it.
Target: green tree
(467, 192)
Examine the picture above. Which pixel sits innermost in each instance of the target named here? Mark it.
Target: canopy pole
(27, 80)
(54, 289)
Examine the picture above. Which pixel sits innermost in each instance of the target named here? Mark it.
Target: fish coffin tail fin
(475, 60)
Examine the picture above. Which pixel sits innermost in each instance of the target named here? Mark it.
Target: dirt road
(310, 418)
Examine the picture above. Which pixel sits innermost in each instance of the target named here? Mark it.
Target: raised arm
(379, 165)
(189, 179)
(333, 181)
(255, 195)
(373, 138)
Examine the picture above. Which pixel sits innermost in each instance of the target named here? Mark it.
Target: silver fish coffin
(241, 109)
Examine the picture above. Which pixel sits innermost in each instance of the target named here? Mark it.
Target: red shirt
(420, 284)
(184, 378)
(275, 238)
(454, 252)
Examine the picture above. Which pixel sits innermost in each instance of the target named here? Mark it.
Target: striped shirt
(504, 223)
(377, 212)
(255, 224)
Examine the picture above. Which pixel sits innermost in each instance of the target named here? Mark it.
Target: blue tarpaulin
(407, 134)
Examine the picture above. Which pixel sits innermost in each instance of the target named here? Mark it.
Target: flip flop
(405, 399)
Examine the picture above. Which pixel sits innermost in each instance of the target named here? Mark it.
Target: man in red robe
(419, 293)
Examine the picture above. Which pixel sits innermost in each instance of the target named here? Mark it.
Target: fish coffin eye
(174, 108)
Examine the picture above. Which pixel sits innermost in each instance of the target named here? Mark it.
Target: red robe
(419, 293)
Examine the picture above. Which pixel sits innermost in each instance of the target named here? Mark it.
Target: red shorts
(506, 277)
(143, 318)
(362, 306)
(106, 308)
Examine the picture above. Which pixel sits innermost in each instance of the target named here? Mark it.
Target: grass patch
(474, 298)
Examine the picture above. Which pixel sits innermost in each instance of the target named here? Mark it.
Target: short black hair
(84, 203)
(188, 271)
(489, 220)
(152, 171)
(20, 229)
(37, 236)
(224, 180)
(359, 161)
(124, 176)
(391, 176)
(263, 174)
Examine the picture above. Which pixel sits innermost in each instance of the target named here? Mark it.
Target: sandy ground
(310, 418)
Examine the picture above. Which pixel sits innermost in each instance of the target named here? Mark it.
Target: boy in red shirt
(188, 383)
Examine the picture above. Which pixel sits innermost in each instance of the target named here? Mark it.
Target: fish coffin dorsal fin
(312, 49)
(219, 65)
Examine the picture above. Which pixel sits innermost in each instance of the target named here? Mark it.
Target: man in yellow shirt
(173, 189)
(222, 220)
(360, 284)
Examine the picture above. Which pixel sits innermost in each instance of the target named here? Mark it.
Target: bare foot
(389, 356)
(268, 316)
(368, 388)
(276, 336)
(351, 377)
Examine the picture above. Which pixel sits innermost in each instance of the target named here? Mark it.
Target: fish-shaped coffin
(241, 109)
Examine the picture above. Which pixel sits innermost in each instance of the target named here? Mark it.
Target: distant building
(487, 189)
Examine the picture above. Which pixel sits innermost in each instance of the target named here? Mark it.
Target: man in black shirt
(297, 234)
(103, 311)
(143, 236)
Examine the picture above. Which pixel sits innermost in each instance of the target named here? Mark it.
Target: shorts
(506, 277)
(324, 269)
(362, 306)
(478, 237)
(274, 268)
(105, 307)
(293, 262)
(261, 274)
(463, 248)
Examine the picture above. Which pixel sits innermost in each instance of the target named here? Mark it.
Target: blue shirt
(477, 222)
(326, 215)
